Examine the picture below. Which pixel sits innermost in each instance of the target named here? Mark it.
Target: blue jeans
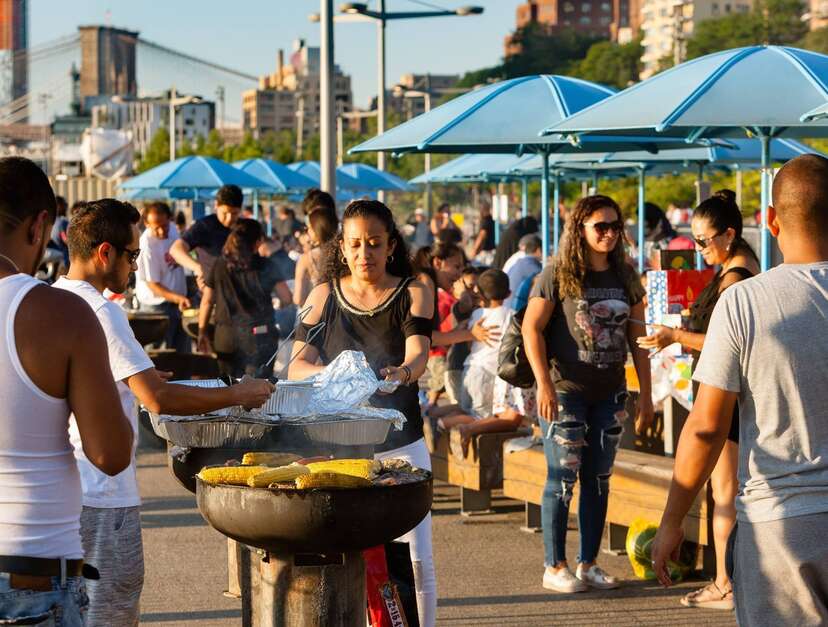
(62, 606)
(581, 444)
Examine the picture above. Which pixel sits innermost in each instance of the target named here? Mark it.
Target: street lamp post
(327, 123)
(175, 102)
(427, 157)
(382, 16)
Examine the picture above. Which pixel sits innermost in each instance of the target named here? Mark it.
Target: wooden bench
(638, 488)
(478, 473)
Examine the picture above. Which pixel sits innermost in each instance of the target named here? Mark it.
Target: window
(568, 7)
(727, 8)
(606, 7)
(605, 20)
(586, 7)
(585, 20)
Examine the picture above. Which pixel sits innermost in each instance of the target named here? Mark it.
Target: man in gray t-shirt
(767, 348)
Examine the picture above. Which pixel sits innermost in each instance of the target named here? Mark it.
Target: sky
(246, 34)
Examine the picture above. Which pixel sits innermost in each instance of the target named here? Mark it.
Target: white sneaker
(562, 580)
(596, 577)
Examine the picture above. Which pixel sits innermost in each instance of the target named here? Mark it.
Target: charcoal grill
(310, 572)
(149, 328)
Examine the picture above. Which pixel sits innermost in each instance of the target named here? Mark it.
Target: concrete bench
(638, 488)
(478, 473)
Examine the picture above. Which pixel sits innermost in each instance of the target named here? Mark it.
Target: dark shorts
(733, 435)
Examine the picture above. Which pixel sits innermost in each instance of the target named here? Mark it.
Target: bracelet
(407, 374)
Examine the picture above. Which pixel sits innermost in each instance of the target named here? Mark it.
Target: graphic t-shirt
(587, 337)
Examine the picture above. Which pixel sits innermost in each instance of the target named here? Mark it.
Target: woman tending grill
(370, 302)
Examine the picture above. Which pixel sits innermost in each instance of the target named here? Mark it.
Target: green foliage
(776, 22)
(214, 146)
(816, 40)
(611, 64)
(546, 51)
(158, 151)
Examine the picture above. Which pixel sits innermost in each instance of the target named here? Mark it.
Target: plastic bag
(384, 605)
(639, 551)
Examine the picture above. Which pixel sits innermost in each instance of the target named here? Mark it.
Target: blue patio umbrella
(193, 173)
(344, 182)
(506, 117)
(373, 179)
(280, 178)
(761, 91)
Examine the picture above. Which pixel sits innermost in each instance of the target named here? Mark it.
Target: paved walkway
(489, 572)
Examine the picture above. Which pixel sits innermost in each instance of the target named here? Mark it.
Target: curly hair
(571, 263)
(333, 266)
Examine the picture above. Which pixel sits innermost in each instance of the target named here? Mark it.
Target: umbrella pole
(641, 219)
(545, 206)
(524, 197)
(255, 204)
(699, 199)
(765, 200)
(594, 188)
(556, 201)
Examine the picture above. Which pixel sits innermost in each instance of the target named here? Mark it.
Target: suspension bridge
(158, 67)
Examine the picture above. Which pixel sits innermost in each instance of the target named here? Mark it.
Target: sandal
(710, 597)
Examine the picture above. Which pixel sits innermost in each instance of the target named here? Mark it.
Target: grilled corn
(363, 468)
(277, 475)
(261, 458)
(233, 475)
(330, 480)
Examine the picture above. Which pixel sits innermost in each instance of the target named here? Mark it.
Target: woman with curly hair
(579, 312)
(370, 302)
(240, 286)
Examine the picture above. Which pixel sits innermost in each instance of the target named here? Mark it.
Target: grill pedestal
(302, 590)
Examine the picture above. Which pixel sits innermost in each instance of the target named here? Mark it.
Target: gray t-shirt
(768, 342)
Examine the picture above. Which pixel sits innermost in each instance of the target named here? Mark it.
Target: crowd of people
(500, 337)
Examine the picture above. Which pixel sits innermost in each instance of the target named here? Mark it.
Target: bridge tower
(107, 63)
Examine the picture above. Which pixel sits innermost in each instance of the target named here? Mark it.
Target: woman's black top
(243, 299)
(700, 312)
(380, 334)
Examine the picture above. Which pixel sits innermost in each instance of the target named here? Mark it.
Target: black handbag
(512, 363)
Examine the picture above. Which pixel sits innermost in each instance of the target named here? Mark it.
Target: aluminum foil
(290, 398)
(233, 411)
(210, 431)
(348, 381)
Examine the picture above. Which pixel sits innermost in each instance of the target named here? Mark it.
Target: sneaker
(710, 597)
(595, 577)
(562, 580)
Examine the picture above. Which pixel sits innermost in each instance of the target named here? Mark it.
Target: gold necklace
(379, 301)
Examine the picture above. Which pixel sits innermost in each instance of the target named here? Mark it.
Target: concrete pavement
(488, 571)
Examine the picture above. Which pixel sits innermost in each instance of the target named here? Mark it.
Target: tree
(214, 146)
(157, 152)
(776, 22)
(544, 50)
(611, 64)
(816, 40)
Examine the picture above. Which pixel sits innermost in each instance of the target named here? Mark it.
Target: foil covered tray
(290, 398)
(212, 431)
(348, 432)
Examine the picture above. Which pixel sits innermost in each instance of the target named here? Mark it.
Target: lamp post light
(427, 157)
(382, 16)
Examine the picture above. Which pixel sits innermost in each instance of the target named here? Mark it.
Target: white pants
(419, 539)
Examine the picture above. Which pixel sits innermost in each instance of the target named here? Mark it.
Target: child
(480, 368)
(468, 299)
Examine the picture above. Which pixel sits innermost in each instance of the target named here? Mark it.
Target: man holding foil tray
(103, 249)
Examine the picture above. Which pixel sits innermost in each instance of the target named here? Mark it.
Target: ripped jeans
(582, 443)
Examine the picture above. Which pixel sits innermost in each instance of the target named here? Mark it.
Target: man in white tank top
(52, 354)
(104, 244)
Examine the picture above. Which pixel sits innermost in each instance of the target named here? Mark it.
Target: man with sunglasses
(103, 243)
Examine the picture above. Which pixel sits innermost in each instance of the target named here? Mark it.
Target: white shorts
(522, 400)
(477, 391)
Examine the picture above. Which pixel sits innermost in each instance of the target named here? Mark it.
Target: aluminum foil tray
(211, 431)
(291, 398)
(348, 432)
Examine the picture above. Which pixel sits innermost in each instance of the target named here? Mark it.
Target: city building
(817, 14)
(666, 25)
(626, 20)
(144, 116)
(289, 98)
(14, 66)
(436, 85)
(586, 16)
(107, 64)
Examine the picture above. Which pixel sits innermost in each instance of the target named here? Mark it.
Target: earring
(390, 258)
(343, 260)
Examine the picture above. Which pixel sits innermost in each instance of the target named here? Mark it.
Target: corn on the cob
(233, 475)
(263, 458)
(277, 475)
(330, 480)
(364, 468)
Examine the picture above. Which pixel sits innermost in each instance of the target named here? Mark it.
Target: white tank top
(40, 490)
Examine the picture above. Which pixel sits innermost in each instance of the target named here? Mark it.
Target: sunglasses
(132, 255)
(704, 242)
(602, 228)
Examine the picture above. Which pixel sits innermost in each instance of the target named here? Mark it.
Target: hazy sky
(246, 34)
